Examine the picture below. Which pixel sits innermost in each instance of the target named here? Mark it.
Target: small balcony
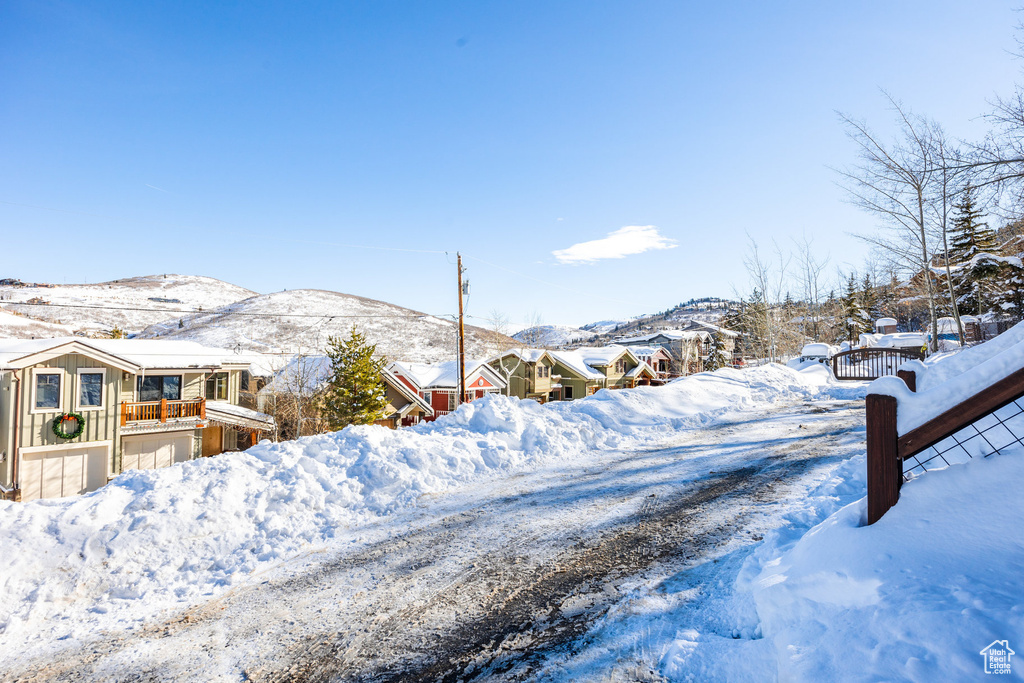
(163, 411)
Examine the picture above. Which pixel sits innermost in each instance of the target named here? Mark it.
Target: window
(90, 388)
(567, 393)
(451, 401)
(217, 387)
(244, 378)
(620, 366)
(156, 387)
(543, 371)
(47, 391)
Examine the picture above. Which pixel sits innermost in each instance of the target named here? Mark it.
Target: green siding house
(74, 413)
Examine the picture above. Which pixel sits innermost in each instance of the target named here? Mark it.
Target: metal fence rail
(870, 363)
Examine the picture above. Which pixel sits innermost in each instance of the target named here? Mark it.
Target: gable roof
(603, 356)
(402, 388)
(645, 352)
(574, 362)
(133, 355)
(445, 375)
(525, 355)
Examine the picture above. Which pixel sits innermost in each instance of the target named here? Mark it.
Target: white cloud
(632, 239)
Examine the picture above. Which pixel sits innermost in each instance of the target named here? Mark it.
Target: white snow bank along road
(164, 539)
(915, 596)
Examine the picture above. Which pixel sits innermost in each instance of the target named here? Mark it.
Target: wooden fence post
(163, 410)
(909, 378)
(885, 470)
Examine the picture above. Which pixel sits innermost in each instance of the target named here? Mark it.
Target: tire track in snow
(487, 592)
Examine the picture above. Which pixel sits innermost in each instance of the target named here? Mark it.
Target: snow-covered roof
(641, 369)
(669, 335)
(525, 355)
(604, 355)
(222, 411)
(575, 362)
(885, 322)
(129, 354)
(410, 395)
(645, 352)
(302, 374)
(445, 375)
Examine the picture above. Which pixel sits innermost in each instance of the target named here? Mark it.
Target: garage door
(155, 450)
(63, 472)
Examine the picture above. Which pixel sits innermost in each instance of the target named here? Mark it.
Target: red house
(438, 383)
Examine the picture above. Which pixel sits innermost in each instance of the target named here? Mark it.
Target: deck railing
(163, 410)
(870, 363)
(980, 425)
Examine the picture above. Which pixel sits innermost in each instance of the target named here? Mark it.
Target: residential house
(689, 345)
(619, 365)
(585, 370)
(437, 383)
(304, 377)
(574, 377)
(657, 358)
(529, 374)
(76, 412)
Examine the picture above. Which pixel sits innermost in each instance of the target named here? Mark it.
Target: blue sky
(266, 143)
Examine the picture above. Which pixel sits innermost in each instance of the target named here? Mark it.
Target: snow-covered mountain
(604, 326)
(301, 320)
(552, 335)
(130, 304)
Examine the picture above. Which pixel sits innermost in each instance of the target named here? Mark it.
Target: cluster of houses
(76, 412)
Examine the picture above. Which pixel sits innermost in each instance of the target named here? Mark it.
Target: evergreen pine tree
(1008, 291)
(354, 393)
(969, 236)
(973, 244)
(868, 305)
(852, 309)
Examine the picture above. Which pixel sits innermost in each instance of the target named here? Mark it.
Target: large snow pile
(163, 539)
(916, 596)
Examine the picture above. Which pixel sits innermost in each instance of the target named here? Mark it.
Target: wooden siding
(518, 383)
(100, 425)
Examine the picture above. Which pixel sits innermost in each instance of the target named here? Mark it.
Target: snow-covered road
(505, 579)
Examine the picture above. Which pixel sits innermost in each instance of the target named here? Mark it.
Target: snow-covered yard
(705, 530)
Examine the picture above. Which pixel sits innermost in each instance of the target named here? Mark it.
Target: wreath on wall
(58, 425)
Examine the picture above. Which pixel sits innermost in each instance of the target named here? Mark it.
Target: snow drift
(164, 539)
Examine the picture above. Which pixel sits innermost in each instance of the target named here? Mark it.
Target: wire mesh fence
(991, 433)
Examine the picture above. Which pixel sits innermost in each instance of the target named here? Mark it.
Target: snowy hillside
(604, 326)
(22, 327)
(552, 335)
(129, 304)
(301, 320)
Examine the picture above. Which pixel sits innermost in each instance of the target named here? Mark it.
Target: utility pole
(462, 339)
